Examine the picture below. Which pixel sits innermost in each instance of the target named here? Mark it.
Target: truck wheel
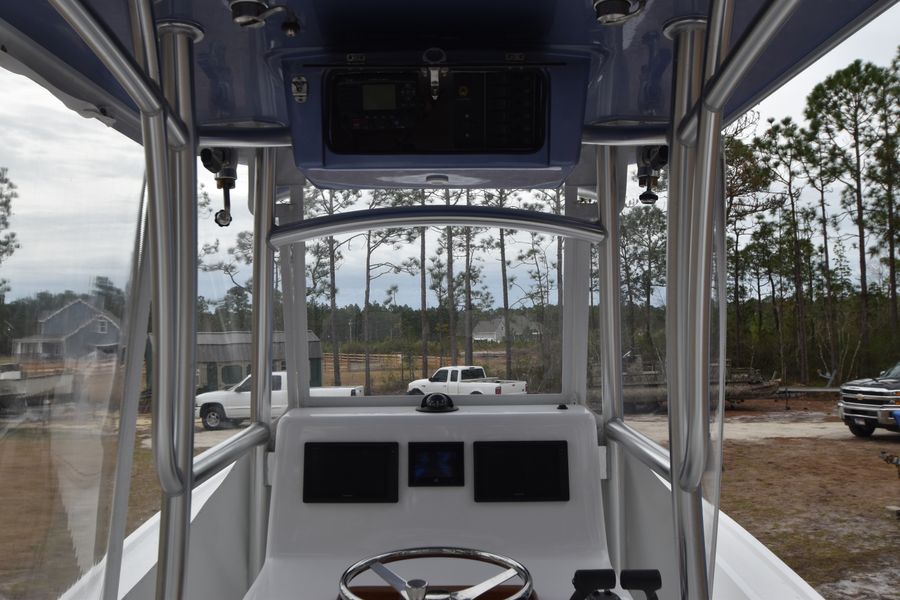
(414, 392)
(862, 431)
(213, 417)
(476, 394)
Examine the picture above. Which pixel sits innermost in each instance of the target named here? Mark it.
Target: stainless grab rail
(640, 446)
(270, 137)
(221, 455)
(176, 40)
(263, 201)
(608, 193)
(722, 84)
(427, 216)
(244, 137)
(624, 135)
(699, 267)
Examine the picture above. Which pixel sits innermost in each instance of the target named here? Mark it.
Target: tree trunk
(799, 309)
(861, 230)
(470, 353)
(736, 352)
(759, 308)
(559, 278)
(507, 333)
(423, 293)
(629, 294)
(830, 316)
(892, 257)
(368, 380)
(775, 315)
(648, 291)
(451, 300)
(423, 296)
(332, 294)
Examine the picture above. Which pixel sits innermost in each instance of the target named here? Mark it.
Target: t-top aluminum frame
(170, 142)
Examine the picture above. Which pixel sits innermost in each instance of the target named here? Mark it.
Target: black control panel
(436, 110)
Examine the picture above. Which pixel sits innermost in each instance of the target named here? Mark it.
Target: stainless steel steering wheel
(416, 589)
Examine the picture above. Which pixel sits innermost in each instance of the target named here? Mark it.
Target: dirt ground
(814, 494)
(794, 477)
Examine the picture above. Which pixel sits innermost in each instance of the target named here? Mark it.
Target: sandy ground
(754, 429)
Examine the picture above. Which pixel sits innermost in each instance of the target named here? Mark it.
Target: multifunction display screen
(464, 110)
(436, 464)
(350, 472)
(521, 471)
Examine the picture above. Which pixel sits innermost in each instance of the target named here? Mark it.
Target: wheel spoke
(394, 580)
(476, 590)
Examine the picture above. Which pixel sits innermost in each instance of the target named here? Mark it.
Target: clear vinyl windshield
(69, 204)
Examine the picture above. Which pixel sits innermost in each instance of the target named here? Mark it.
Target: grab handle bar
(121, 64)
(765, 25)
(425, 216)
(640, 446)
(221, 455)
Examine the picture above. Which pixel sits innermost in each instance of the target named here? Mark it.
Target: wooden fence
(390, 373)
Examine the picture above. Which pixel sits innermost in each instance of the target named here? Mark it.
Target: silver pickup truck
(869, 403)
(465, 379)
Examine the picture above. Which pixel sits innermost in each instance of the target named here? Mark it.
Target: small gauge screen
(379, 96)
(436, 464)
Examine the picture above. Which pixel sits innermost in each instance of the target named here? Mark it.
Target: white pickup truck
(465, 379)
(216, 408)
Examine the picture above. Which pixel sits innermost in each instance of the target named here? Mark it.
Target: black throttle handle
(595, 583)
(645, 580)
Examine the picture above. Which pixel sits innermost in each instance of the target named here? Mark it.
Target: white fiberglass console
(350, 483)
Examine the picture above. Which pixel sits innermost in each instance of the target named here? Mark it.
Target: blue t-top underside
(240, 73)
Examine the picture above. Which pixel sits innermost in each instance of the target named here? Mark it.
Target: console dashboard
(517, 480)
(369, 472)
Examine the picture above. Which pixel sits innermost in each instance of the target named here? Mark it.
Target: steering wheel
(416, 589)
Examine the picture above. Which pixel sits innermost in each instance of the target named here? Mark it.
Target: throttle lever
(594, 583)
(645, 580)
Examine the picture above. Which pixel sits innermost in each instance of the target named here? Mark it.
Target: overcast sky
(79, 182)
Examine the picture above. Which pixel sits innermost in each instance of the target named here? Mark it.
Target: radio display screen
(379, 96)
(436, 464)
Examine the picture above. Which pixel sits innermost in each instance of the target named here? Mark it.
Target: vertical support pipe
(687, 517)
(296, 344)
(689, 270)
(688, 36)
(699, 267)
(261, 390)
(301, 323)
(611, 338)
(286, 261)
(134, 342)
(177, 41)
(576, 274)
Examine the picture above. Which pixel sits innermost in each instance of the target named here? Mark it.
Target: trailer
(20, 388)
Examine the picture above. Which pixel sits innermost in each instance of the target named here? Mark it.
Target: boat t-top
(442, 496)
